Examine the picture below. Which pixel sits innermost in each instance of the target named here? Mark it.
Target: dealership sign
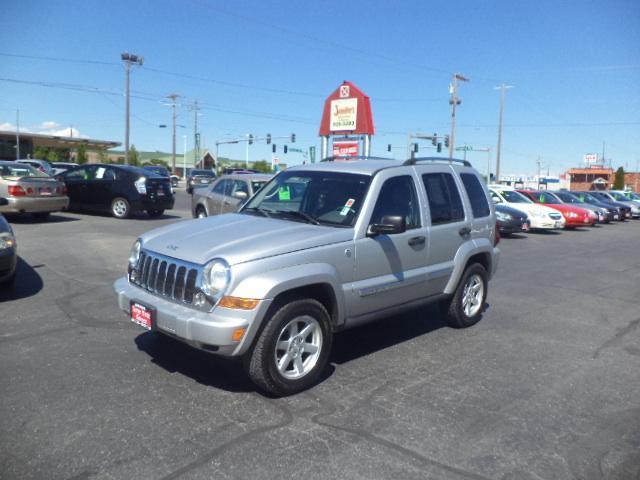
(347, 111)
(346, 148)
(344, 113)
(591, 158)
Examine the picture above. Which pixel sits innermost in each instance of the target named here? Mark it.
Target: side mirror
(496, 200)
(3, 202)
(389, 225)
(240, 195)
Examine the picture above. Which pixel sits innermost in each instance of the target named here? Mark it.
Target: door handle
(416, 241)
(464, 231)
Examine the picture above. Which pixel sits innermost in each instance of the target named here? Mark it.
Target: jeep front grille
(165, 277)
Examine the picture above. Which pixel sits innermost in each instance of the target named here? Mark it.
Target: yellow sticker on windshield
(284, 193)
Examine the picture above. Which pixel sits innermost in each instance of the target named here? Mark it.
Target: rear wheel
(41, 215)
(292, 350)
(201, 212)
(120, 207)
(467, 304)
(155, 213)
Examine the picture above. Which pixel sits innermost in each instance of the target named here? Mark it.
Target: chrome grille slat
(166, 277)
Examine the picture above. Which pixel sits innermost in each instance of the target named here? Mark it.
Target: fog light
(238, 334)
(199, 299)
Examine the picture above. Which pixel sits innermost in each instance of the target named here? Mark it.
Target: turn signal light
(238, 303)
(16, 191)
(238, 334)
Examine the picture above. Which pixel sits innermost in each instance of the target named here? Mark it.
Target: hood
(532, 208)
(565, 208)
(238, 238)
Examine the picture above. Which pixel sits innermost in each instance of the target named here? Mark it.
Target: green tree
(157, 161)
(103, 157)
(618, 183)
(262, 166)
(133, 156)
(41, 152)
(81, 154)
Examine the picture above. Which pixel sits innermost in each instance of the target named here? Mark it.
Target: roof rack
(413, 161)
(357, 157)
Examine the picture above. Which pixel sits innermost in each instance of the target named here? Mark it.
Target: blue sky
(266, 67)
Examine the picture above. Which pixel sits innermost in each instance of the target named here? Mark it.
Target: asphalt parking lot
(546, 386)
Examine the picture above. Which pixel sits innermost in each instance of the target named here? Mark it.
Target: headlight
(7, 240)
(134, 256)
(215, 278)
(503, 217)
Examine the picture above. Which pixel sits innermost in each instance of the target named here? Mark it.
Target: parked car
(605, 215)
(540, 216)
(199, 178)
(59, 167)
(603, 196)
(621, 196)
(232, 170)
(119, 189)
(43, 165)
(174, 180)
(28, 190)
(8, 250)
(272, 282)
(511, 220)
(574, 216)
(617, 210)
(226, 194)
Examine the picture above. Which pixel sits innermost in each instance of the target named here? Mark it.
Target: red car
(575, 216)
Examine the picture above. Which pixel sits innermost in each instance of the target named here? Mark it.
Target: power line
(58, 59)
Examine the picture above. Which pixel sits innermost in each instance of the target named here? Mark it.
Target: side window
(103, 173)
(444, 200)
(477, 197)
(240, 186)
(81, 174)
(220, 186)
(398, 197)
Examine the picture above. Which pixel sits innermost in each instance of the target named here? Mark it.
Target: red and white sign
(344, 114)
(591, 158)
(345, 91)
(141, 315)
(346, 148)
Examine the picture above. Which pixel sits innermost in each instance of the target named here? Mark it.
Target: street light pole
(128, 60)
(502, 89)
(18, 134)
(454, 101)
(173, 98)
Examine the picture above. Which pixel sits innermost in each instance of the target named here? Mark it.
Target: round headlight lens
(134, 256)
(7, 241)
(215, 278)
(503, 217)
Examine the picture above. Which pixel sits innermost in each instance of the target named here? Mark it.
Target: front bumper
(8, 262)
(35, 204)
(546, 223)
(209, 331)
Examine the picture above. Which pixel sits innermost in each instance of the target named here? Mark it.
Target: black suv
(119, 189)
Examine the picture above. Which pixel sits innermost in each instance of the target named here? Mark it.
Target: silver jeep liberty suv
(318, 249)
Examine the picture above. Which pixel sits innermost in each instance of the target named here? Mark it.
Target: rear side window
(477, 197)
(220, 187)
(444, 199)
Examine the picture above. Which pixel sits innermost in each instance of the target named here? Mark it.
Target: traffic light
(250, 139)
(286, 149)
(439, 147)
(446, 141)
(293, 138)
(415, 147)
(273, 148)
(268, 138)
(389, 148)
(434, 139)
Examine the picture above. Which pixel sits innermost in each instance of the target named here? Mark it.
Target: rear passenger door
(449, 227)
(215, 198)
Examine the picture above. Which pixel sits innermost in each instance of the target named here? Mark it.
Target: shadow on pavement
(26, 284)
(514, 236)
(30, 219)
(205, 368)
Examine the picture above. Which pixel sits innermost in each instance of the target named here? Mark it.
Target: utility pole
(128, 61)
(196, 145)
(503, 88)
(18, 134)
(454, 102)
(173, 98)
(603, 160)
(539, 164)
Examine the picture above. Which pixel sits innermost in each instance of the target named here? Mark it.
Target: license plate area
(143, 315)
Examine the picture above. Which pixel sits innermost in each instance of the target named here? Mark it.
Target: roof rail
(357, 157)
(413, 161)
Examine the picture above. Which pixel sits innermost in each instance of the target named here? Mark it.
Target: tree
(133, 156)
(103, 157)
(262, 166)
(618, 183)
(157, 161)
(81, 154)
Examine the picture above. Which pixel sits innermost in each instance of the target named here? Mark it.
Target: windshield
(619, 196)
(327, 198)
(587, 197)
(568, 198)
(19, 171)
(514, 197)
(545, 197)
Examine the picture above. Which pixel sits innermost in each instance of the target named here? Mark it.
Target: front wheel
(201, 212)
(292, 350)
(120, 207)
(467, 304)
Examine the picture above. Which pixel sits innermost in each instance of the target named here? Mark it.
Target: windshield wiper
(299, 214)
(261, 211)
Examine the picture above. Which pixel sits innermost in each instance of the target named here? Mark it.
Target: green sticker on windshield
(284, 193)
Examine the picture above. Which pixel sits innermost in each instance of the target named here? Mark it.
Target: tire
(155, 213)
(461, 312)
(41, 215)
(301, 368)
(120, 207)
(201, 212)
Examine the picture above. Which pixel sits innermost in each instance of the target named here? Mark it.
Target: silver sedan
(226, 194)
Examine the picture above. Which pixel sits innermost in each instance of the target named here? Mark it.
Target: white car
(541, 217)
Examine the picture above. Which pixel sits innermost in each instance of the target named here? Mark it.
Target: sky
(267, 66)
